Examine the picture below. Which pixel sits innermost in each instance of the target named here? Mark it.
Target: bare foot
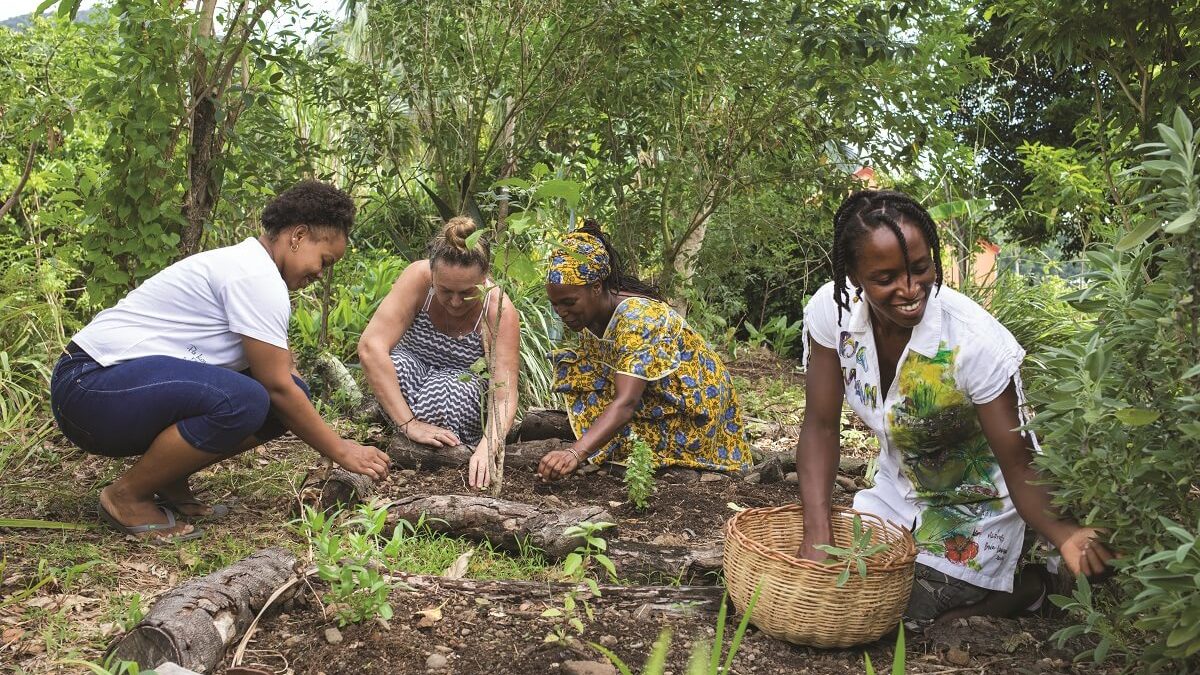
(132, 512)
(184, 501)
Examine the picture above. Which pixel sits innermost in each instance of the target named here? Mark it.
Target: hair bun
(457, 230)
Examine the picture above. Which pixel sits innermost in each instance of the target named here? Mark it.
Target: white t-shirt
(936, 474)
(197, 309)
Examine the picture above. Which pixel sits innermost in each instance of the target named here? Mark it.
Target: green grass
(772, 399)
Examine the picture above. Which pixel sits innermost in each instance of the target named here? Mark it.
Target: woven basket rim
(906, 555)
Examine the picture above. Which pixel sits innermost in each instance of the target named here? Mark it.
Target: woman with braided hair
(639, 369)
(937, 379)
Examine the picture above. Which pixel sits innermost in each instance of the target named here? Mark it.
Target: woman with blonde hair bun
(441, 317)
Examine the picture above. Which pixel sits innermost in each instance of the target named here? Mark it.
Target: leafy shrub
(1118, 415)
(1033, 310)
(777, 334)
(639, 473)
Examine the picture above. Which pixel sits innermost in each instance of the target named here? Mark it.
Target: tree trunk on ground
(657, 599)
(540, 424)
(194, 624)
(510, 525)
(329, 486)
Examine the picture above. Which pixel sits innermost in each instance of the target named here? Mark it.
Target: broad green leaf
(1138, 234)
(1136, 417)
(1181, 224)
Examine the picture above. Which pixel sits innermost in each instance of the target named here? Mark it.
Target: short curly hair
(312, 203)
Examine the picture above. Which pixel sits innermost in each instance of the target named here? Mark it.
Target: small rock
(442, 649)
(712, 477)
(292, 641)
(588, 668)
(958, 656)
(436, 662)
(753, 479)
(608, 641)
(852, 465)
(482, 602)
(408, 473)
(465, 632)
(333, 636)
(792, 477)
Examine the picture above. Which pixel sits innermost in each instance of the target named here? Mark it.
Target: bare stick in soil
(194, 624)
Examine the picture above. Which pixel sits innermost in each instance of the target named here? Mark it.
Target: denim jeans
(119, 410)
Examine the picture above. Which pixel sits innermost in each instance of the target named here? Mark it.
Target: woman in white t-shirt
(937, 379)
(193, 367)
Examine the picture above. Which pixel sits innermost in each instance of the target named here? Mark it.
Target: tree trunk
(329, 486)
(194, 624)
(541, 424)
(201, 193)
(684, 261)
(512, 526)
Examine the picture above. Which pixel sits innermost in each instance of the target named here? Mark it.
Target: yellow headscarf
(581, 260)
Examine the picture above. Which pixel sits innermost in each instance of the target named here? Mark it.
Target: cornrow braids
(866, 210)
(618, 280)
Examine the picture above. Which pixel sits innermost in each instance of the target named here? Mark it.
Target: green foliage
(337, 324)
(1033, 310)
(777, 334)
(1118, 411)
(639, 473)
(353, 562)
(576, 564)
(854, 557)
(110, 666)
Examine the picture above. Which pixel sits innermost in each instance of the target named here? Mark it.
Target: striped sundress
(434, 371)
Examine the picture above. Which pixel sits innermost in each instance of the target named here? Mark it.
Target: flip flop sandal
(136, 530)
(219, 511)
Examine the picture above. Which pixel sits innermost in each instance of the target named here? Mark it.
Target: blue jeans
(118, 411)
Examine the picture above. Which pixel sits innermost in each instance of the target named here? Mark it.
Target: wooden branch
(541, 424)
(12, 199)
(329, 486)
(194, 624)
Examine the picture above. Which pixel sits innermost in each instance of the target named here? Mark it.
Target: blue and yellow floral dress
(689, 413)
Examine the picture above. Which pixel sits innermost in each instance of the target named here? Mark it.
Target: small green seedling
(639, 473)
(856, 556)
(898, 657)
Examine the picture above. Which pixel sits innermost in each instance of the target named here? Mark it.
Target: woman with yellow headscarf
(639, 369)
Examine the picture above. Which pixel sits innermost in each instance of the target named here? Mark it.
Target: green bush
(1118, 417)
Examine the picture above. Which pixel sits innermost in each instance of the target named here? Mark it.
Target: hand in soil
(429, 434)
(365, 459)
(1084, 554)
(478, 468)
(132, 512)
(558, 464)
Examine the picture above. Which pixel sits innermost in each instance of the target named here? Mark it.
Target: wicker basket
(800, 601)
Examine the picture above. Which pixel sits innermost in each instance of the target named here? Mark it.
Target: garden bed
(485, 631)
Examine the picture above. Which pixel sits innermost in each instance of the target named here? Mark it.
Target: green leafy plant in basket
(855, 556)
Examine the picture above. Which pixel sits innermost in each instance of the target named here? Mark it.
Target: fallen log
(659, 599)
(513, 526)
(406, 454)
(194, 624)
(329, 486)
(541, 424)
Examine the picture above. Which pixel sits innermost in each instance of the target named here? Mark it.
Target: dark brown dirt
(495, 636)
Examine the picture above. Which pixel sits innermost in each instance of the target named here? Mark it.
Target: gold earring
(295, 246)
(858, 294)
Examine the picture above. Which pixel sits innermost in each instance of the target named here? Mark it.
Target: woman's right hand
(429, 434)
(365, 459)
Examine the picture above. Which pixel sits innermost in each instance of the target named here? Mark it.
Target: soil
(478, 634)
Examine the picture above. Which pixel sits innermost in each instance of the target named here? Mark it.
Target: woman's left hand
(1084, 554)
(558, 464)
